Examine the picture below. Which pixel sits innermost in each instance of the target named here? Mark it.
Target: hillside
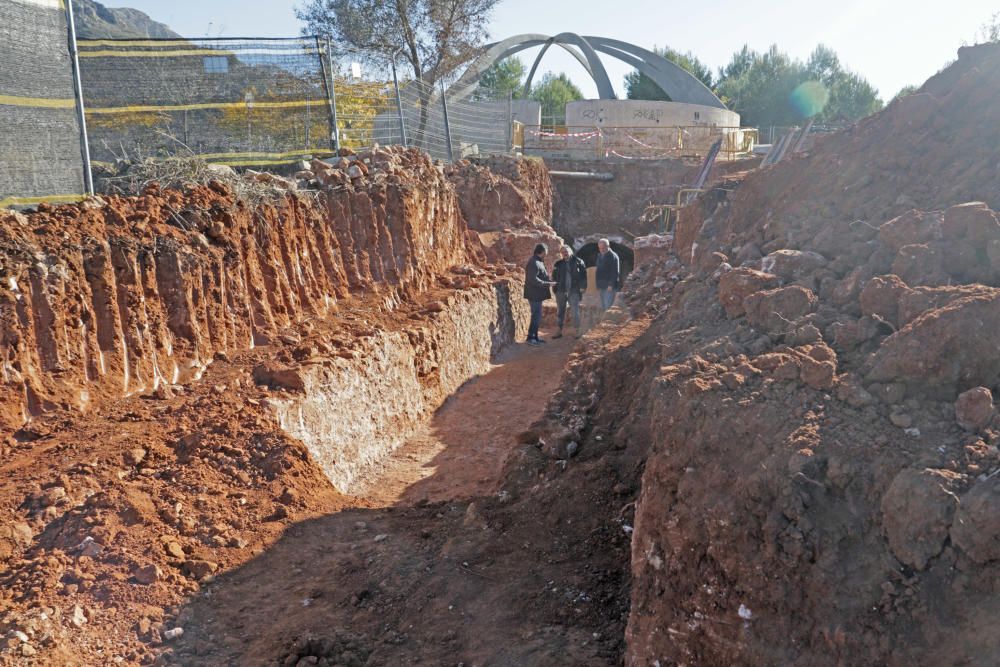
(95, 21)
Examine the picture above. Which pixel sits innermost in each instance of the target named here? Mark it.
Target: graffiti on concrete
(653, 115)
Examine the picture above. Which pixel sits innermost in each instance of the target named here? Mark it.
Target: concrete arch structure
(675, 81)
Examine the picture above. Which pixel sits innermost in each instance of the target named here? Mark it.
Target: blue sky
(891, 42)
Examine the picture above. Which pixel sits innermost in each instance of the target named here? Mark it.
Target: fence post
(88, 175)
(510, 121)
(399, 103)
(447, 125)
(326, 64)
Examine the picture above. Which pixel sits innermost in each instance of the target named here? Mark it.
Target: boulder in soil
(776, 311)
(917, 512)
(976, 529)
(736, 285)
(974, 408)
(973, 221)
(880, 297)
(793, 264)
(945, 350)
(910, 228)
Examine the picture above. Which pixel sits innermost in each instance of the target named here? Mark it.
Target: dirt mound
(119, 296)
(160, 351)
(509, 202)
(823, 443)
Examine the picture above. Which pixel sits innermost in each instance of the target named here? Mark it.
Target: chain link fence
(41, 156)
(239, 102)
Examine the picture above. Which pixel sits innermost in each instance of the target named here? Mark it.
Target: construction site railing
(638, 143)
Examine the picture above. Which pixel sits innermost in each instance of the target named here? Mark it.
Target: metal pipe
(447, 125)
(88, 176)
(330, 82)
(584, 175)
(399, 102)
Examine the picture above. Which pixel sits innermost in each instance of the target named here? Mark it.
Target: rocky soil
(822, 469)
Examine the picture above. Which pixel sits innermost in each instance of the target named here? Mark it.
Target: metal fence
(241, 102)
(41, 157)
(238, 101)
(637, 143)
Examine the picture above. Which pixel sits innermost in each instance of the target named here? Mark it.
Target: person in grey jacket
(570, 277)
(537, 288)
(609, 274)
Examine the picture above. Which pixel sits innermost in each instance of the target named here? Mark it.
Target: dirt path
(461, 452)
(442, 571)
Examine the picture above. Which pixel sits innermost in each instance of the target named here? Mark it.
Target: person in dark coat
(537, 288)
(609, 274)
(570, 276)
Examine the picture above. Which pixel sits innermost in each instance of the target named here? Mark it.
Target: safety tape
(538, 133)
(51, 199)
(105, 53)
(248, 159)
(85, 43)
(38, 102)
(207, 105)
(632, 157)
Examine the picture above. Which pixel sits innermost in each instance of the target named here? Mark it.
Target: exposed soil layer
(371, 294)
(116, 298)
(526, 574)
(509, 202)
(821, 480)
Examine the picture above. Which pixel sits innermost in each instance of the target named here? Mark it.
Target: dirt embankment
(509, 202)
(821, 480)
(144, 471)
(116, 298)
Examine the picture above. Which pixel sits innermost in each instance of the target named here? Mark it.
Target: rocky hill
(95, 21)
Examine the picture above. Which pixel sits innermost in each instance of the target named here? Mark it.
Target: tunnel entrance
(588, 253)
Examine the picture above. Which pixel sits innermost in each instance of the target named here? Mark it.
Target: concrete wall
(643, 113)
(637, 130)
(528, 112)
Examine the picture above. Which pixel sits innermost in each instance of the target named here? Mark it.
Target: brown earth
(780, 448)
(816, 492)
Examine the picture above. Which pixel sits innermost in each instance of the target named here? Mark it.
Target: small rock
(147, 575)
(571, 448)
(163, 393)
(381, 537)
(173, 633)
(27, 650)
(78, 618)
(974, 409)
(134, 457)
(22, 636)
(901, 419)
(199, 569)
(174, 550)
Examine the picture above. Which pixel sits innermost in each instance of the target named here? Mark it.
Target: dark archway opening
(588, 253)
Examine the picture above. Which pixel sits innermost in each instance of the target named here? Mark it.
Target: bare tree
(434, 36)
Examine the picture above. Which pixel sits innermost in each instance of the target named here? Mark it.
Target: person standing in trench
(609, 274)
(570, 277)
(537, 289)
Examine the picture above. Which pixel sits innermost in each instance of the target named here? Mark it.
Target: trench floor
(461, 452)
(434, 567)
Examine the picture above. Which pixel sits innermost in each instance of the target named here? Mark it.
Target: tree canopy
(553, 92)
(638, 86)
(434, 36)
(771, 88)
(506, 76)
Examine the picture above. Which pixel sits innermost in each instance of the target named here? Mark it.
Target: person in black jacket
(609, 274)
(537, 288)
(570, 276)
